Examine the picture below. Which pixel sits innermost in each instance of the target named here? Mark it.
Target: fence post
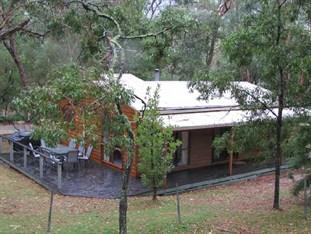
(59, 175)
(178, 205)
(11, 151)
(50, 213)
(41, 167)
(1, 144)
(25, 158)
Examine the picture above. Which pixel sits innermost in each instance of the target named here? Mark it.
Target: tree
(15, 20)
(298, 149)
(115, 57)
(274, 35)
(227, 142)
(104, 31)
(156, 146)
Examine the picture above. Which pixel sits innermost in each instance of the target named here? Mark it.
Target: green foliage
(257, 47)
(85, 97)
(9, 81)
(255, 137)
(297, 147)
(226, 142)
(271, 45)
(156, 145)
(42, 103)
(12, 118)
(298, 150)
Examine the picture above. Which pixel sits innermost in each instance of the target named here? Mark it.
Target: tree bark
(278, 157)
(279, 121)
(10, 45)
(154, 188)
(211, 51)
(123, 199)
(230, 162)
(231, 152)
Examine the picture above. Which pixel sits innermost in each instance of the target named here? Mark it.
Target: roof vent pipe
(156, 74)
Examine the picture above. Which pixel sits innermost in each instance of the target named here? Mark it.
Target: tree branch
(259, 101)
(281, 4)
(90, 7)
(13, 30)
(148, 34)
(225, 7)
(145, 106)
(11, 47)
(35, 34)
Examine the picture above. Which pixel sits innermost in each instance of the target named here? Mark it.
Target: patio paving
(213, 172)
(98, 181)
(91, 180)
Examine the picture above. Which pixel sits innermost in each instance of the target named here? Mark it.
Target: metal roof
(183, 110)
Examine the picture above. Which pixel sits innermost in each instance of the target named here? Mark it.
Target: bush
(12, 118)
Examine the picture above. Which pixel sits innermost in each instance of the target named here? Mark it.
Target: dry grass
(240, 208)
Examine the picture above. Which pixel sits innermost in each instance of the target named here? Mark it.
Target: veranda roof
(214, 119)
(183, 110)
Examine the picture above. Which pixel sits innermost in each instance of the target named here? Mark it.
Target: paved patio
(213, 172)
(99, 181)
(96, 180)
(91, 180)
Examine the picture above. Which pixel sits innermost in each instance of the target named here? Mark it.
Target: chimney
(156, 74)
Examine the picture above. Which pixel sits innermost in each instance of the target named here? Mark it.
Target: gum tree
(275, 36)
(104, 31)
(16, 20)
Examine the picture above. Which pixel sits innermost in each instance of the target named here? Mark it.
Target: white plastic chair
(72, 143)
(81, 150)
(52, 159)
(85, 157)
(36, 155)
(42, 142)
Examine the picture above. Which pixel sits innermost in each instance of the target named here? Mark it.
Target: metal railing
(27, 151)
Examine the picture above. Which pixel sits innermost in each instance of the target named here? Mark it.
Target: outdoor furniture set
(62, 154)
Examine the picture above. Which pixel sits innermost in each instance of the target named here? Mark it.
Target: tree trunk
(211, 51)
(231, 152)
(123, 197)
(278, 159)
(279, 128)
(279, 121)
(10, 45)
(230, 162)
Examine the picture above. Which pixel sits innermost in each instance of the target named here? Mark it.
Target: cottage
(195, 122)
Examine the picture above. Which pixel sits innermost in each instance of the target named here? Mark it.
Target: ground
(240, 208)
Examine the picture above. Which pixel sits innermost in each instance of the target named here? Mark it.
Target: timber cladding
(98, 150)
(200, 147)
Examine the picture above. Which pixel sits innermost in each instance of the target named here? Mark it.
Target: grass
(240, 208)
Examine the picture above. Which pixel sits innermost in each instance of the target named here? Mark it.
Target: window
(182, 153)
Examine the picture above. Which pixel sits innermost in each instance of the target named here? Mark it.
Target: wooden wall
(200, 150)
(97, 153)
(200, 144)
